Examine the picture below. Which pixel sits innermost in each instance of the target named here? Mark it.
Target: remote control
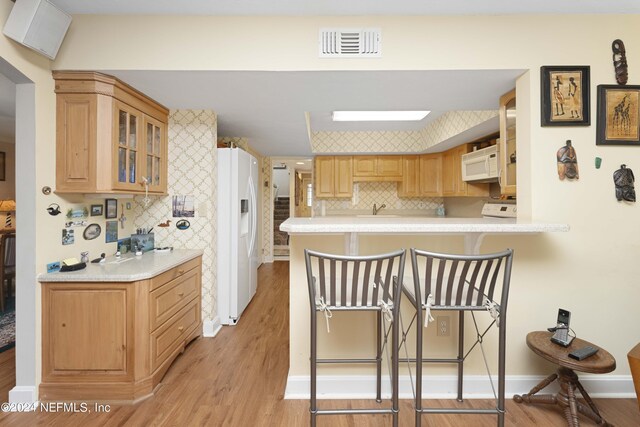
(583, 353)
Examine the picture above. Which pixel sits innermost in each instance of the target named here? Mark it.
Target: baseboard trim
(23, 394)
(210, 328)
(444, 386)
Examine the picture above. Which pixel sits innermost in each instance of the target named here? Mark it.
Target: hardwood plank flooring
(238, 379)
(7, 373)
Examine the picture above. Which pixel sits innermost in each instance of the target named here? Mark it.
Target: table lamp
(8, 207)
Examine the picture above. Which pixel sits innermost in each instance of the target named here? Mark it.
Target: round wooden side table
(600, 363)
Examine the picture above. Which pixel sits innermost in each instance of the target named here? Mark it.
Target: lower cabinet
(114, 341)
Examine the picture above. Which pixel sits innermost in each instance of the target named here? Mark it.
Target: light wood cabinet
(364, 166)
(431, 175)
(115, 341)
(421, 176)
(110, 138)
(410, 184)
(333, 177)
(508, 143)
(452, 183)
(377, 168)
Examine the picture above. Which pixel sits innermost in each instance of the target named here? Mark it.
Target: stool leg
(395, 341)
(460, 353)
(418, 397)
(502, 346)
(313, 409)
(379, 357)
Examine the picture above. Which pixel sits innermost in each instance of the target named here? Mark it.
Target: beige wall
(591, 270)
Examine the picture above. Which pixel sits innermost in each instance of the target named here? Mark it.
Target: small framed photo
(96, 210)
(618, 116)
(564, 95)
(111, 208)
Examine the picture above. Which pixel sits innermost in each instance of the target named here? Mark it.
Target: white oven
(481, 165)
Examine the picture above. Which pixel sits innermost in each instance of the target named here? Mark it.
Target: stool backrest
(461, 280)
(354, 281)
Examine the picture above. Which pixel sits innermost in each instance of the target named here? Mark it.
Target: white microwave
(481, 165)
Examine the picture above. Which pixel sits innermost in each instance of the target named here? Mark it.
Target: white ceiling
(345, 7)
(269, 107)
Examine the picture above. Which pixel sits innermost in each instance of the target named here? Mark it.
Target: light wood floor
(238, 379)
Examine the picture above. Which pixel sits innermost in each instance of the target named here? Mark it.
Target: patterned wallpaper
(366, 142)
(452, 123)
(444, 127)
(267, 224)
(365, 194)
(192, 171)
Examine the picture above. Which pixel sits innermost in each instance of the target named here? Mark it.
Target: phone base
(566, 343)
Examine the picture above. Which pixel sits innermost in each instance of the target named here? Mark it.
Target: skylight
(378, 116)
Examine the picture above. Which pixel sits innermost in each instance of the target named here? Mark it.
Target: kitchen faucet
(376, 209)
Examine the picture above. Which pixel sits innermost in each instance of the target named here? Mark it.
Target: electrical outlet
(443, 326)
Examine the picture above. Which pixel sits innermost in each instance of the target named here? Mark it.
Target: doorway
(291, 180)
(23, 219)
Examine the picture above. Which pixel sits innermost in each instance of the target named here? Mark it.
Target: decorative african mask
(623, 179)
(620, 61)
(567, 162)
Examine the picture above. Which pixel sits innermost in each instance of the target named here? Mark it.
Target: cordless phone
(561, 331)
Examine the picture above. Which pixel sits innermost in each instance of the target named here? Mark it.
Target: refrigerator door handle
(253, 213)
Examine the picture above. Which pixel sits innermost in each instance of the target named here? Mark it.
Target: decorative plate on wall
(92, 231)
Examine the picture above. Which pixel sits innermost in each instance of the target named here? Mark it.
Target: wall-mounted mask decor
(598, 162)
(567, 162)
(620, 61)
(54, 209)
(623, 179)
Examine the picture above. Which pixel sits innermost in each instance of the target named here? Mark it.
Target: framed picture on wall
(618, 116)
(564, 97)
(111, 208)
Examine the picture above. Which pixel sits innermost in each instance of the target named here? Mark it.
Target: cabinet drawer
(171, 335)
(168, 299)
(174, 273)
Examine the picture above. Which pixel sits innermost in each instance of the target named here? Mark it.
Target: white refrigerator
(237, 232)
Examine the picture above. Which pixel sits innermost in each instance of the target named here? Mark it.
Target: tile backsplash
(365, 194)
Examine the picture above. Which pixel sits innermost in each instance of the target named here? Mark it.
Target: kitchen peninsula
(111, 331)
(365, 235)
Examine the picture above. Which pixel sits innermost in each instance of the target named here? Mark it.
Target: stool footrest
(354, 411)
(347, 360)
(457, 411)
(431, 360)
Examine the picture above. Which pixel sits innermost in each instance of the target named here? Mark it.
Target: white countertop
(405, 225)
(129, 268)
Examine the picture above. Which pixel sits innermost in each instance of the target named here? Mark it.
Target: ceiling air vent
(350, 43)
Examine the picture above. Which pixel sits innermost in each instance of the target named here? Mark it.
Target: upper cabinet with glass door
(110, 138)
(508, 155)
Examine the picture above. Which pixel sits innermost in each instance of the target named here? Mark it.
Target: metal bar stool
(356, 284)
(459, 283)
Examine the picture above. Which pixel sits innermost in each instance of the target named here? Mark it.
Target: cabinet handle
(180, 272)
(181, 328)
(181, 294)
